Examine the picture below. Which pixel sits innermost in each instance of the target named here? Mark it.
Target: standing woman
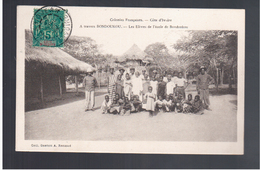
(128, 86)
(112, 84)
(120, 86)
(146, 84)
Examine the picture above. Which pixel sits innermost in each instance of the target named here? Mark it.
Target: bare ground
(68, 121)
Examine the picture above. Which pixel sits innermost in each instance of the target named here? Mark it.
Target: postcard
(130, 80)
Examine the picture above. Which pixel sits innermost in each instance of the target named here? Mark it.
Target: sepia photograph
(130, 77)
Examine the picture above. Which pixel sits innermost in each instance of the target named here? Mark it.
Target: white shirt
(180, 81)
(167, 102)
(169, 87)
(142, 77)
(174, 79)
(165, 79)
(154, 86)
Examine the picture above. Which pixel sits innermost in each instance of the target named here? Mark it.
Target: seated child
(179, 103)
(137, 103)
(187, 106)
(159, 105)
(114, 107)
(197, 105)
(168, 105)
(117, 98)
(126, 108)
(105, 105)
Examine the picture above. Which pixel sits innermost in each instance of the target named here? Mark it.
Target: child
(187, 106)
(137, 104)
(120, 86)
(170, 86)
(105, 105)
(150, 98)
(146, 84)
(126, 108)
(114, 107)
(161, 88)
(179, 103)
(159, 105)
(89, 82)
(197, 106)
(128, 86)
(168, 105)
(154, 85)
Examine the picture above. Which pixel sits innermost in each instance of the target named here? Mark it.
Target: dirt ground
(67, 120)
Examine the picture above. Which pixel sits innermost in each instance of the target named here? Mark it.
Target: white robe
(137, 87)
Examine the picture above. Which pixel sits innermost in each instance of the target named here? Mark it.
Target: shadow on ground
(69, 97)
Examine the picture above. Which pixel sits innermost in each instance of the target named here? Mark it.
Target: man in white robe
(137, 85)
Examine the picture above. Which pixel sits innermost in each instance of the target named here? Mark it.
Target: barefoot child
(159, 105)
(168, 105)
(137, 104)
(187, 106)
(126, 108)
(154, 85)
(114, 107)
(105, 105)
(197, 106)
(150, 98)
(179, 103)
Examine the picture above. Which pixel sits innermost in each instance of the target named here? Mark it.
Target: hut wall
(32, 82)
(63, 83)
(50, 79)
(50, 84)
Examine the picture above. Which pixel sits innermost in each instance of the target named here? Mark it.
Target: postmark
(51, 26)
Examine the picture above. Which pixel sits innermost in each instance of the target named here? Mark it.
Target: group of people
(130, 92)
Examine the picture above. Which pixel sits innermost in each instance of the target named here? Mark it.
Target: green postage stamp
(51, 26)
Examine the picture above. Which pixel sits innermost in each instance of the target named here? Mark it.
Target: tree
(84, 49)
(215, 49)
(159, 52)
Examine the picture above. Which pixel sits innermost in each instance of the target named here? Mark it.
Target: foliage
(213, 49)
(87, 50)
(159, 52)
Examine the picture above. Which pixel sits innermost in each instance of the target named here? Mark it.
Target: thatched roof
(53, 56)
(134, 53)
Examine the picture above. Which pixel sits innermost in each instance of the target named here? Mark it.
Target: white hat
(89, 70)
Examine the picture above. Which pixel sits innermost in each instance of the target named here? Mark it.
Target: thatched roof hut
(51, 56)
(45, 71)
(134, 54)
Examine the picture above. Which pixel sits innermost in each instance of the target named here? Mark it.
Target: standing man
(137, 85)
(132, 73)
(121, 72)
(89, 82)
(203, 82)
(181, 84)
(165, 79)
(156, 75)
(112, 84)
(142, 76)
